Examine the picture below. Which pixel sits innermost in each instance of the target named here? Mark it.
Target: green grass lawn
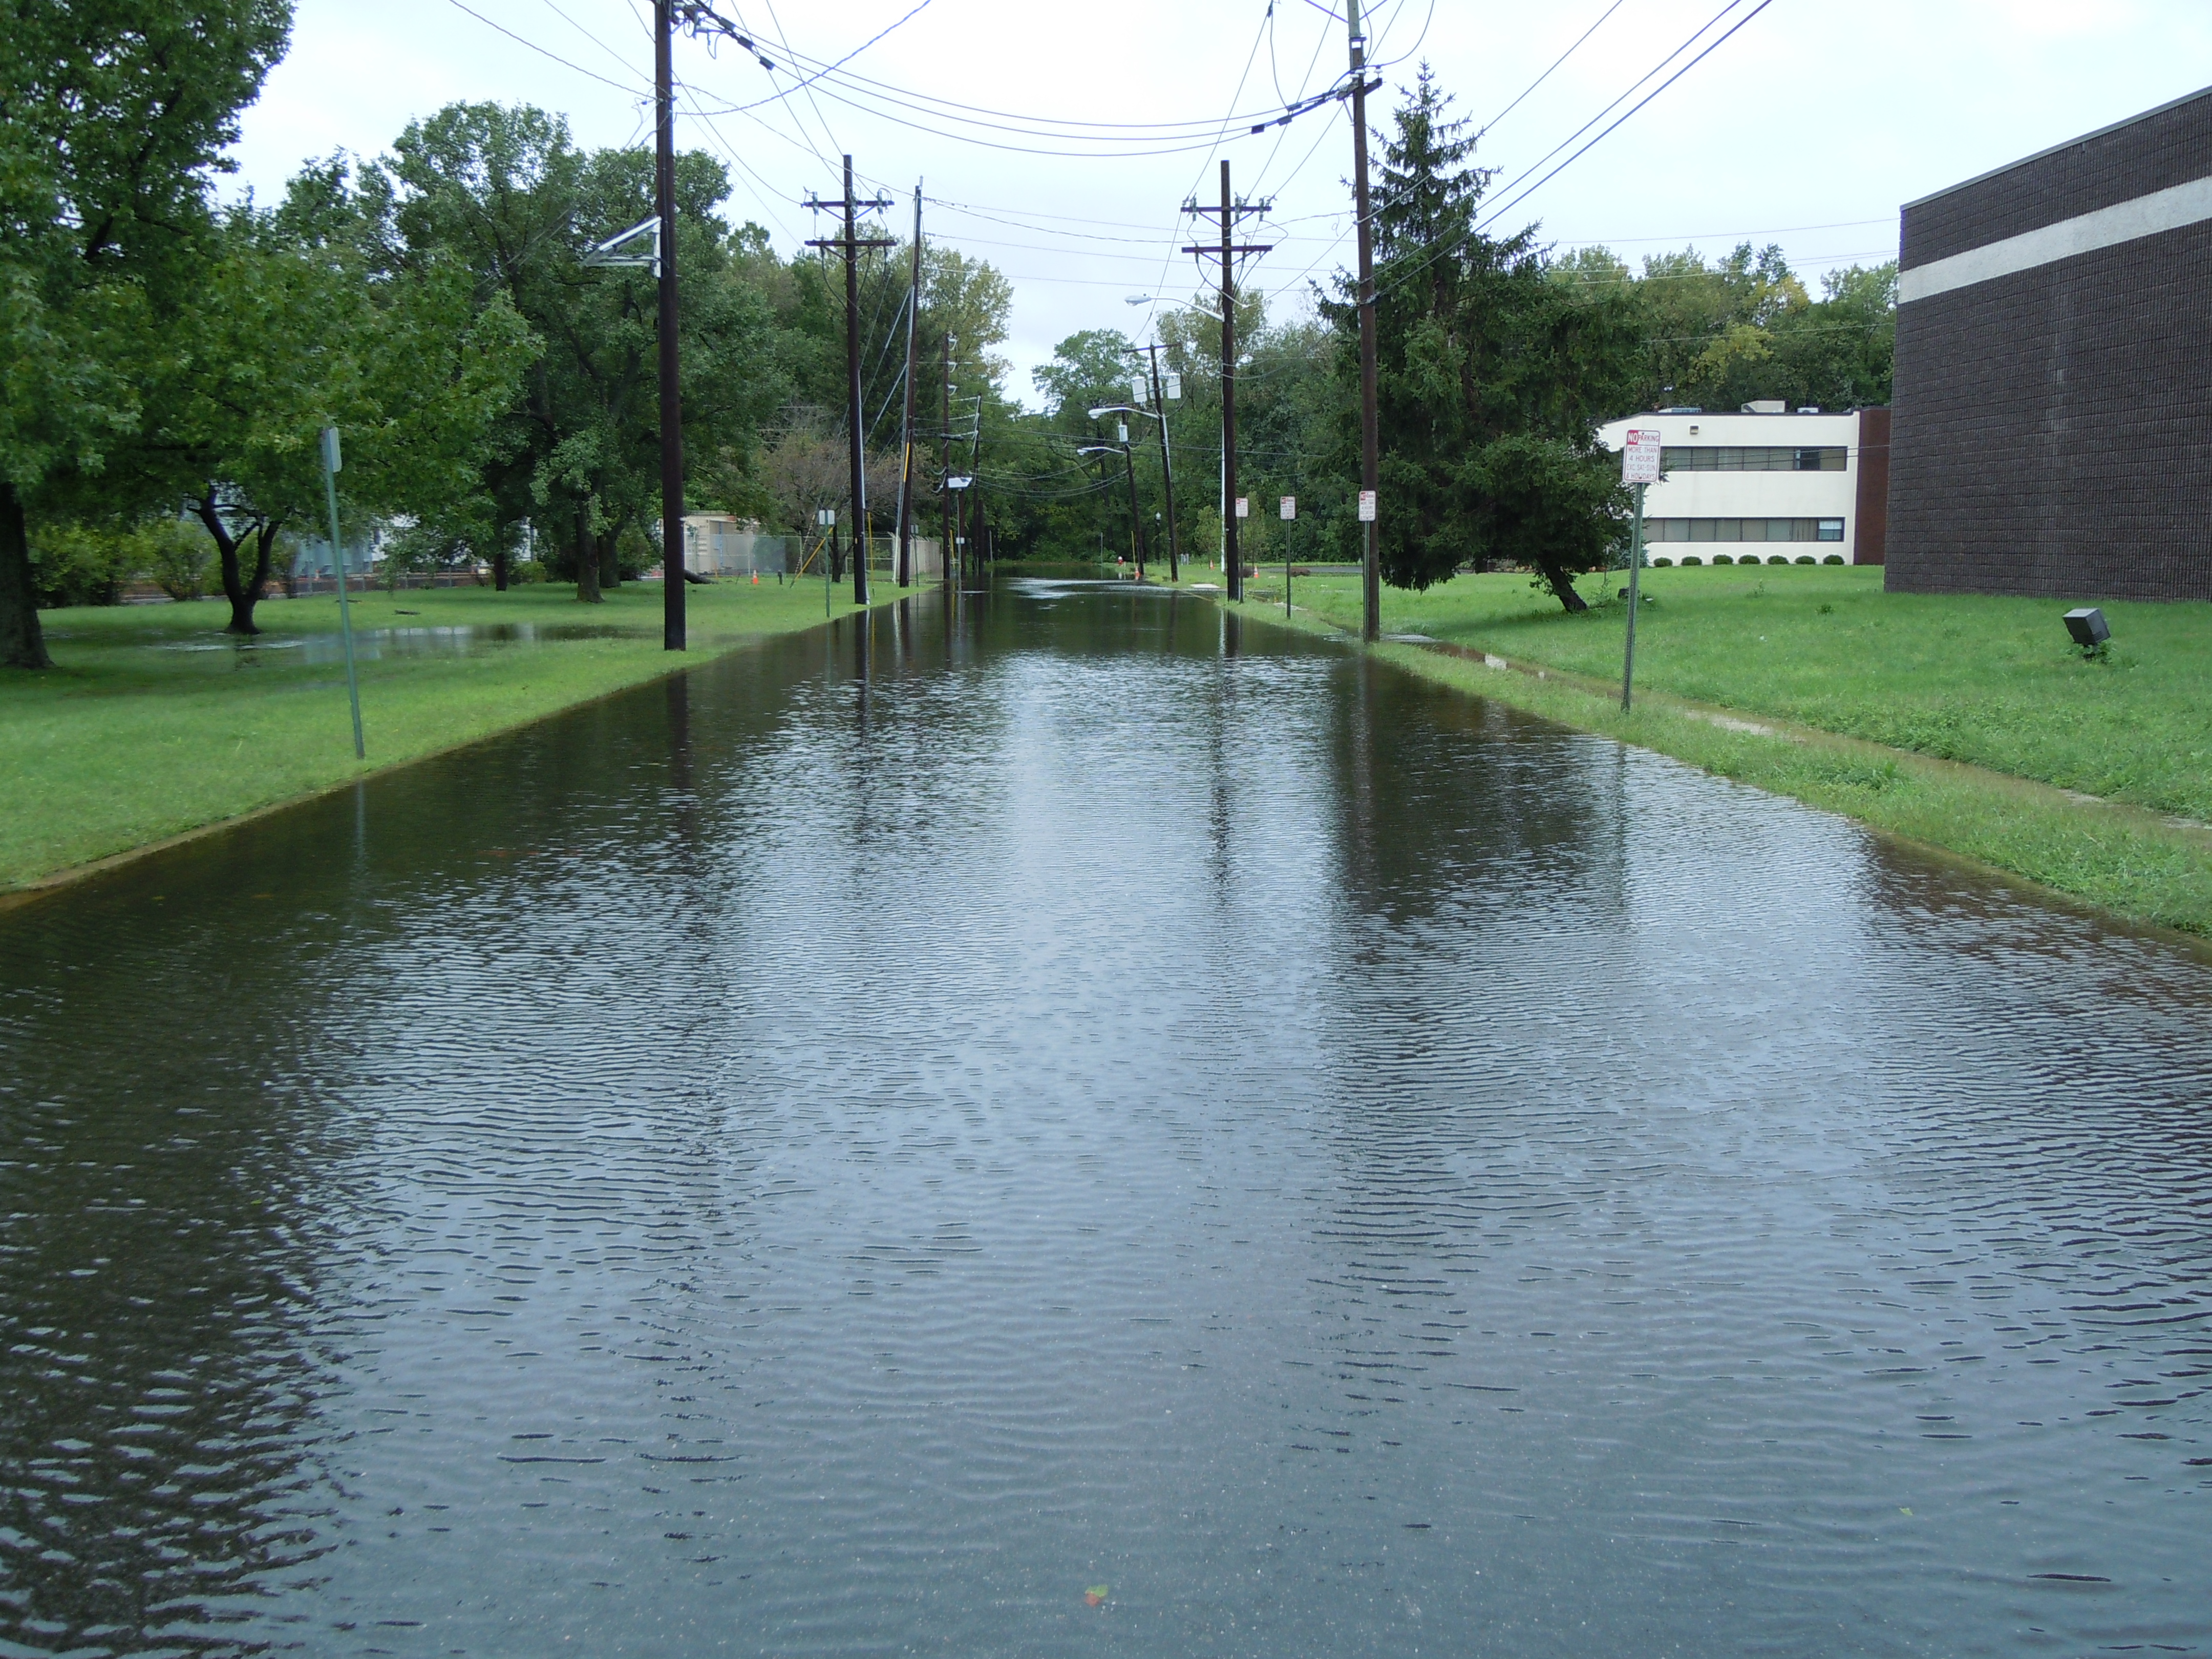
(1906, 683)
(1992, 682)
(154, 722)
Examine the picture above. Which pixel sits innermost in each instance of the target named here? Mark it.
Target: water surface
(848, 1150)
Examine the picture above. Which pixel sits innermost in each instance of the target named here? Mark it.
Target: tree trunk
(609, 565)
(587, 559)
(242, 598)
(1562, 584)
(499, 571)
(22, 644)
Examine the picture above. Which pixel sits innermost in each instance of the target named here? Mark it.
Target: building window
(1743, 530)
(1750, 457)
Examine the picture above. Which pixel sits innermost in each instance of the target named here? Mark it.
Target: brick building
(2052, 429)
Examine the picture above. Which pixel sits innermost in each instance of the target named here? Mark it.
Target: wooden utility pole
(672, 400)
(905, 431)
(852, 243)
(973, 489)
(1370, 453)
(1167, 466)
(944, 470)
(1136, 525)
(1232, 557)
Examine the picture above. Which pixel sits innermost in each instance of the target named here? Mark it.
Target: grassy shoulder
(153, 722)
(1961, 723)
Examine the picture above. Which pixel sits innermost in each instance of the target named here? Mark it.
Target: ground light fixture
(2089, 629)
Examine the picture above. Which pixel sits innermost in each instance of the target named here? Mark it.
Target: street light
(1167, 468)
(1161, 395)
(1136, 523)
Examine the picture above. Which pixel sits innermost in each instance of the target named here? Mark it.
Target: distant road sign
(1367, 507)
(1243, 506)
(1639, 460)
(1289, 507)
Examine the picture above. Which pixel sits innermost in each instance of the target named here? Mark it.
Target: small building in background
(716, 545)
(2053, 390)
(1765, 481)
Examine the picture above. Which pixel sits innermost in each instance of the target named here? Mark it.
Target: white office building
(1763, 482)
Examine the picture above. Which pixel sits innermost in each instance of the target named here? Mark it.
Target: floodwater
(374, 644)
(1090, 1131)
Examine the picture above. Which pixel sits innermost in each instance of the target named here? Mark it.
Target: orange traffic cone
(756, 579)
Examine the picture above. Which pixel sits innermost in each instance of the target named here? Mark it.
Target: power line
(1710, 22)
(1525, 192)
(522, 39)
(1451, 244)
(1546, 75)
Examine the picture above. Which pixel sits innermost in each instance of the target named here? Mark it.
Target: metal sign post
(1289, 509)
(826, 518)
(1640, 465)
(331, 465)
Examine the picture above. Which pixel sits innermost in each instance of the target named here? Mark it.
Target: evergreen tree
(1491, 377)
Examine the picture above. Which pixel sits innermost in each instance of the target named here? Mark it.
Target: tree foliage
(112, 120)
(1492, 377)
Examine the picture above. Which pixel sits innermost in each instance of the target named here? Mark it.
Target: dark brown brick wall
(2052, 430)
(2169, 146)
(1870, 541)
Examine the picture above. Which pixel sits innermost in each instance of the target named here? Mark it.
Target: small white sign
(1243, 506)
(1367, 507)
(825, 516)
(1174, 386)
(1289, 507)
(1639, 460)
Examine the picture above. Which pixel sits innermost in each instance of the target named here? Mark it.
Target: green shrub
(1832, 558)
(178, 557)
(1806, 558)
(92, 563)
(1723, 558)
(1776, 558)
(81, 564)
(1660, 563)
(1691, 558)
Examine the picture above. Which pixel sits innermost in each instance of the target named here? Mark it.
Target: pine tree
(1491, 378)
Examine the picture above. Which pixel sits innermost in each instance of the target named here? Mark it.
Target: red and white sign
(1243, 506)
(1639, 460)
(1367, 507)
(1289, 507)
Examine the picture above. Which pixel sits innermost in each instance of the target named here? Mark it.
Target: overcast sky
(1807, 126)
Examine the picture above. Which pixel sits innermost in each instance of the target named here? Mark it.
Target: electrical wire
(586, 34)
(1546, 75)
(1695, 36)
(1399, 279)
(520, 39)
(1522, 193)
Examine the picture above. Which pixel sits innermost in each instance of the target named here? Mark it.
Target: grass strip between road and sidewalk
(154, 724)
(2090, 779)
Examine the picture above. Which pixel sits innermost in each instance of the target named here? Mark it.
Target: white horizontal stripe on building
(2171, 209)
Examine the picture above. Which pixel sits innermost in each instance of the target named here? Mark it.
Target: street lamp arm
(1122, 408)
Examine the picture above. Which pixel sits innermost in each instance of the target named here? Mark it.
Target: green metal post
(331, 463)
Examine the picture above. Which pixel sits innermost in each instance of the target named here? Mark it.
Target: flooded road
(1092, 1131)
